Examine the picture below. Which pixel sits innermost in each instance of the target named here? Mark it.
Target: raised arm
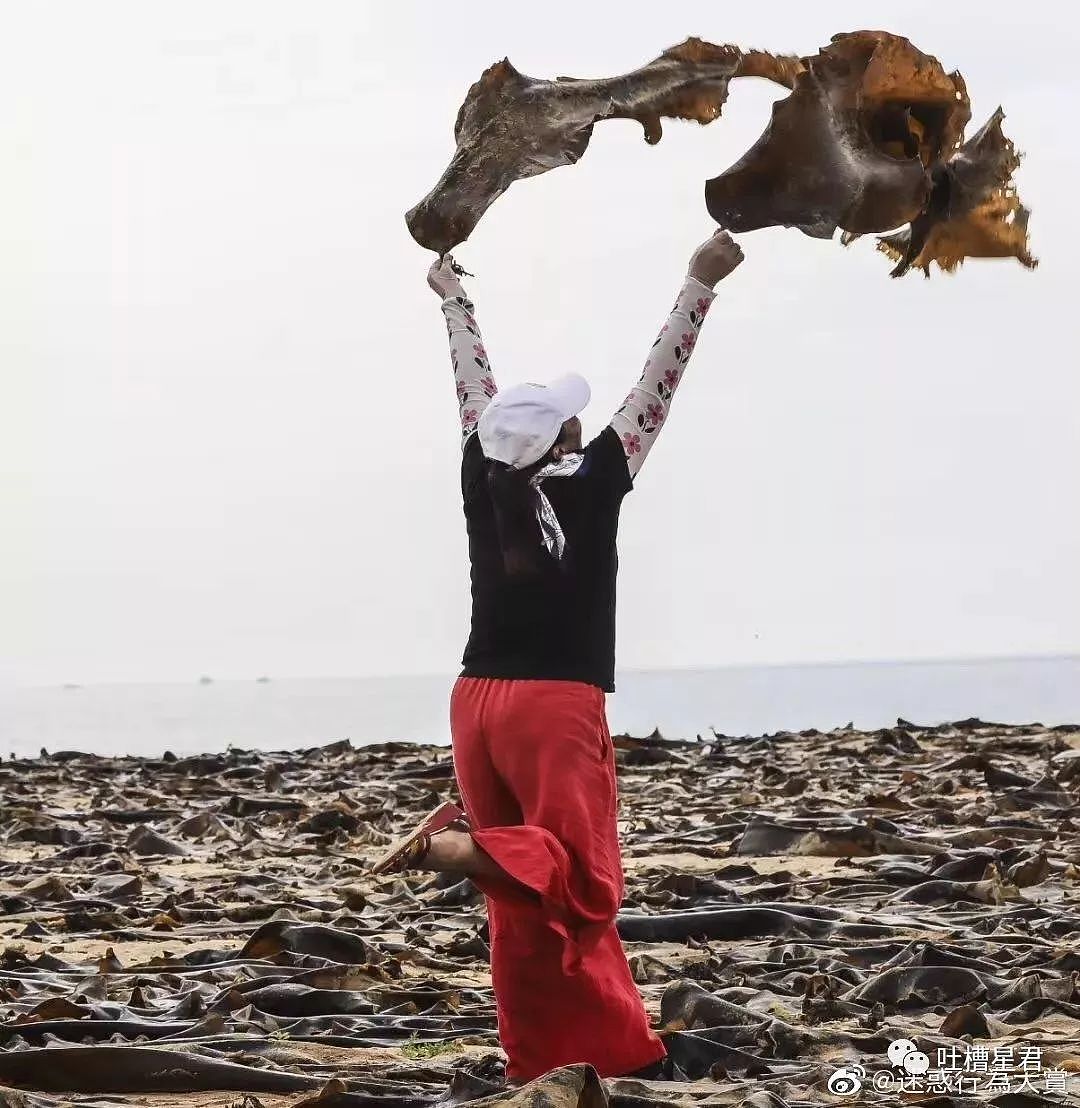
(472, 373)
(644, 412)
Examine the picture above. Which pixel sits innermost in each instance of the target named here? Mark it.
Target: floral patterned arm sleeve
(472, 373)
(645, 410)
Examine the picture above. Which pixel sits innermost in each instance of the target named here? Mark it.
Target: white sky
(228, 438)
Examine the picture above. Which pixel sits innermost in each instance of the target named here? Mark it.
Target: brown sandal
(412, 848)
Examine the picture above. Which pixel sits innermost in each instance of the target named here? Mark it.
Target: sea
(277, 714)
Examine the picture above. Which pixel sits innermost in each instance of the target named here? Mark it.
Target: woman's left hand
(443, 278)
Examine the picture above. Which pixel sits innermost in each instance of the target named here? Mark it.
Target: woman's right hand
(715, 258)
(443, 279)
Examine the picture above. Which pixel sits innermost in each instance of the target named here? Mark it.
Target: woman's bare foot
(448, 848)
(450, 851)
(456, 852)
(407, 851)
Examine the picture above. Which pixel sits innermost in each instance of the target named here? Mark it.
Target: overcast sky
(228, 434)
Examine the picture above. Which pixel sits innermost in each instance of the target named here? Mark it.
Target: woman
(532, 754)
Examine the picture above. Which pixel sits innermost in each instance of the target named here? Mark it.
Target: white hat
(522, 423)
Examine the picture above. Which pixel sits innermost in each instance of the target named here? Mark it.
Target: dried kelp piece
(852, 144)
(576, 1086)
(512, 126)
(146, 841)
(116, 1069)
(91, 1030)
(724, 923)
(280, 936)
(867, 141)
(973, 212)
(925, 986)
(966, 1020)
(299, 1000)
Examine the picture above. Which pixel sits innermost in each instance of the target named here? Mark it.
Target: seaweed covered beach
(205, 930)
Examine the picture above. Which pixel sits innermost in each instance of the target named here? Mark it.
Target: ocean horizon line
(206, 679)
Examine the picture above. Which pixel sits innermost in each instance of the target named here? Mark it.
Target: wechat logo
(905, 1055)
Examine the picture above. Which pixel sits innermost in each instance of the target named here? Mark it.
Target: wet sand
(204, 931)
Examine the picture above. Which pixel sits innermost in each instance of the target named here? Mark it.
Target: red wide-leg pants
(536, 771)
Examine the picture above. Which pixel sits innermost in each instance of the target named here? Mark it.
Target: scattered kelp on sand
(204, 930)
